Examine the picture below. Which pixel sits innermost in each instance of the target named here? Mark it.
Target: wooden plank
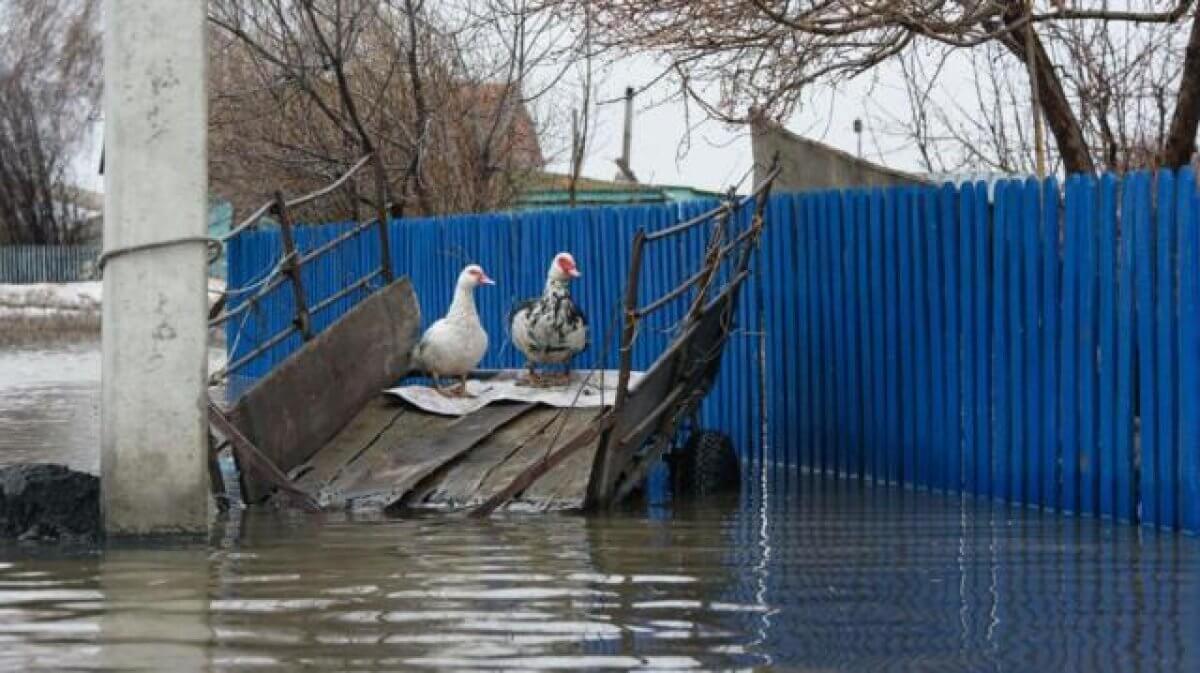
(412, 423)
(590, 433)
(358, 435)
(458, 483)
(251, 457)
(401, 462)
(564, 484)
(297, 408)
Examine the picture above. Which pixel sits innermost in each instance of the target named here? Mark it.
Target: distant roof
(546, 189)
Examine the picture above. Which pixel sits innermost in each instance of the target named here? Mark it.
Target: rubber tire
(708, 465)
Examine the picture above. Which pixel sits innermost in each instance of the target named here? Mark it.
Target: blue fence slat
(936, 447)
(893, 338)
(1087, 232)
(841, 381)
(952, 439)
(862, 335)
(1069, 398)
(1189, 352)
(907, 375)
(1033, 397)
(1014, 235)
(1147, 390)
(1123, 439)
(1001, 331)
(928, 336)
(812, 250)
(877, 264)
(1168, 360)
(1107, 467)
(1051, 308)
(967, 234)
(827, 359)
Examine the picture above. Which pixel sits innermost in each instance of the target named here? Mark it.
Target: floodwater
(797, 575)
(50, 403)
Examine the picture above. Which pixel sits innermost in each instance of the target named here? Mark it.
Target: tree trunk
(1181, 141)
(1061, 119)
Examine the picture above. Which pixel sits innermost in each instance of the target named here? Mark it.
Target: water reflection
(813, 577)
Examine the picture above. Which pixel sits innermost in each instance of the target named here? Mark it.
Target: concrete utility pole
(154, 475)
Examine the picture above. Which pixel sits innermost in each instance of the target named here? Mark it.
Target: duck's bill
(575, 273)
(484, 280)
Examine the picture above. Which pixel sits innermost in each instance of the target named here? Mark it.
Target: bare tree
(49, 87)
(441, 94)
(765, 53)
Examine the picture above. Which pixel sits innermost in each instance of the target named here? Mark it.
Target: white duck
(551, 329)
(454, 345)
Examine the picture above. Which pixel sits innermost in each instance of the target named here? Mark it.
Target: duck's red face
(566, 264)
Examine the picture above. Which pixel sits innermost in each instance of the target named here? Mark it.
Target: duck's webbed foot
(461, 389)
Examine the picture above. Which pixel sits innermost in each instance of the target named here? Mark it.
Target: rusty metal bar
(687, 224)
(668, 297)
(326, 247)
(360, 283)
(629, 331)
(262, 348)
(381, 201)
(291, 268)
(250, 455)
(299, 201)
(246, 305)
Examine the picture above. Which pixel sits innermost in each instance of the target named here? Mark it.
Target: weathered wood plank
(301, 405)
(569, 423)
(458, 484)
(351, 441)
(404, 455)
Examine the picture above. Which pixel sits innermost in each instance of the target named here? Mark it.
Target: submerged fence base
(1041, 347)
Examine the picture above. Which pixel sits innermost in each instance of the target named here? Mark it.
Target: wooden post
(291, 267)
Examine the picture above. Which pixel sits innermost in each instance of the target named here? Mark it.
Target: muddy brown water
(795, 574)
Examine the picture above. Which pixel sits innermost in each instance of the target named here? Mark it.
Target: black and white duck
(550, 329)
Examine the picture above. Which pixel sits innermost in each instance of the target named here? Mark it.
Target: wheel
(708, 464)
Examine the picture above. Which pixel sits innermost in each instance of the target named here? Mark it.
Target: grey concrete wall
(807, 164)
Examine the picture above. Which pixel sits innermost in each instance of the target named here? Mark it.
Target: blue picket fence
(1042, 347)
(24, 264)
